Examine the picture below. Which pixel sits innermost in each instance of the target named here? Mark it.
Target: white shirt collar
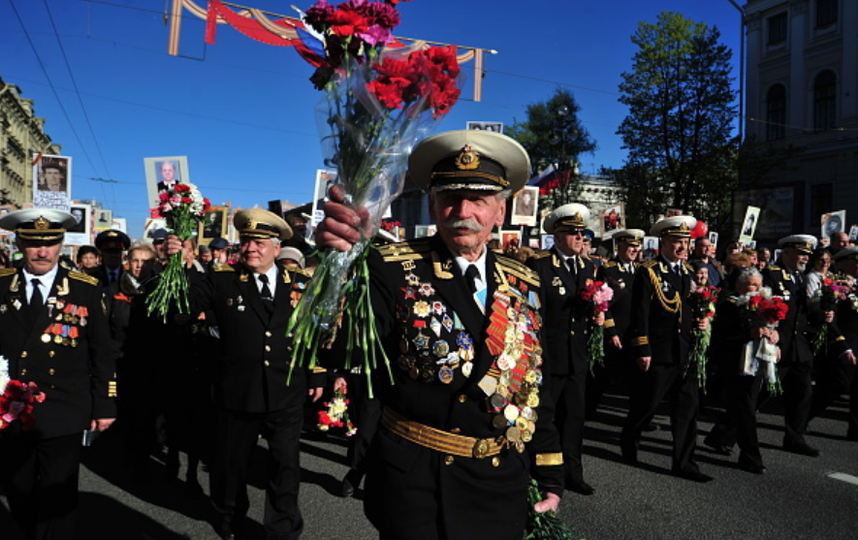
(46, 279)
(480, 263)
(272, 278)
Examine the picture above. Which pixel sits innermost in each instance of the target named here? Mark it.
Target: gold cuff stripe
(546, 460)
(111, 389)
(609, 323)
(643, 340)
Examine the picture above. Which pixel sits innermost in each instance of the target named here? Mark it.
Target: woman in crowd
(700, 277)
(732, 332)
(819, 268)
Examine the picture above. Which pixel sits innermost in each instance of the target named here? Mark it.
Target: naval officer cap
(804, 243)
(112, 239)
(632, 237)
(38, 224)
(847, 254)
(569, 217)
(469, 159)
(678, 226)
(259, 223)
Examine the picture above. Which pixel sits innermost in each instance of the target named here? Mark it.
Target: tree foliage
(552, 134)
(679, 128)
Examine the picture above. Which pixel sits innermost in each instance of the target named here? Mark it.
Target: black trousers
(569, 393)
(834, 378)
(367, 421)
(797, 398)
(618, 363)
(236, 437)
(648, 390)
(738, 423)
(40, 478)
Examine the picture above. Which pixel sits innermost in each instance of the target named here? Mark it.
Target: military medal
(3, 308)
(445, 375)
(447, 322)
(435, 326)
(46, 338)
(441, 348)
(16, 304)
(422, 308)
(467, 368)
(438, 308)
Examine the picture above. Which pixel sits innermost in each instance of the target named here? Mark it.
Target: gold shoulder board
(541, 254)
(511, 266)
(650, 263)
(610, 264)
(7, 272)
(402, 251)
(86, 278)
(224, 268)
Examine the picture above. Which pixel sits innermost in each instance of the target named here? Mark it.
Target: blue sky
(242, 111)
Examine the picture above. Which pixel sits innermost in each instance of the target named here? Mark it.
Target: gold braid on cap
(472, 174)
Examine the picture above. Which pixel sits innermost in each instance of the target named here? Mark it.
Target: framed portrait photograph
(613, 219)
(650, 247)
(673, 212)
(163, 173)
(713, 239)
(510, 239)
(749, 224)
(103, 219)
(213, 224)
(853, 233)
(547, 241)
(525, 206)
(52, 181)
(80, 233)
(6, 208)
(833, 222)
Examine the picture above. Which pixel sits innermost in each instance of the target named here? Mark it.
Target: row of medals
(517, 410)
(61, 333)
(431, 360)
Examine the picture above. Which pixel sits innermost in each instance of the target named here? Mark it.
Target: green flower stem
(596, 347)
(699, 354)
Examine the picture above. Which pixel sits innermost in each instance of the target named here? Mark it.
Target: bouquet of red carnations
(701, 301)
(831, 292)
(16, 399)
(599, 295)
(183, 207)
(378, 103)
(763, 310)
(336, 414)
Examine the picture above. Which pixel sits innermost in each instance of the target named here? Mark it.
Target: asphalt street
(798, 498)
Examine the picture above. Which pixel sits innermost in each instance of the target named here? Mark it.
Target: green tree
(679, 128)
(552, 134)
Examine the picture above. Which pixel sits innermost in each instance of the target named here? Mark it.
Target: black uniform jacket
(567, 315)
(66, 351)
(254, 353)
(793, 331)
(429, 324)
(661, 316)
(622, 283)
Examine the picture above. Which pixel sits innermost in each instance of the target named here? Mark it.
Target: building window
(821, 199)
(776, 108)
(826, 13)
(824, 100)
(777, 29)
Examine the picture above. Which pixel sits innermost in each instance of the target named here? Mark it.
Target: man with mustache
(564, 270)
(467, 420)
(786, 279)
(660, 329)
(55, 334)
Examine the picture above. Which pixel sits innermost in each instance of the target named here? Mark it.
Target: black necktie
(573, 265)
(267, 297)
(471, 275)
(37, 302)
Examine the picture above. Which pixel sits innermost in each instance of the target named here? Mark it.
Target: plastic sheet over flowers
(370, 118)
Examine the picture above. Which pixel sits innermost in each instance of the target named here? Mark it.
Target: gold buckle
(481, 448)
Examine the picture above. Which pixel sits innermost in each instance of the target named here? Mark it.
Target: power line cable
(51, 84)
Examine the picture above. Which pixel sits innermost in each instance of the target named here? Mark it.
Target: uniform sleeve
(641, 300)
(102, 356)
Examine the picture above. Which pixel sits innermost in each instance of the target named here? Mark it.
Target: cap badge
(683, 227)
(467, 159)
(42, 223)
(578, 217)
(251, 224)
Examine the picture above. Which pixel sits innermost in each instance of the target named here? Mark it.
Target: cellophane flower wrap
(546, 525)
(377, 105)
(761, 309)
(599, 294)
(831, 292)
(336, 414)
(183, 206)
(16, 399)
(701, 301)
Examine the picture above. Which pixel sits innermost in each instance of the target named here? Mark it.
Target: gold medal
(46, 338)
(58, 340)
(513, 434)
(533, 400)
(499, 421)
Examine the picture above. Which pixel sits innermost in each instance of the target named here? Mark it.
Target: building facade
(802, 91)
(21, 136)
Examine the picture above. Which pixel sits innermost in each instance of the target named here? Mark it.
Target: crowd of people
(498, 360)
